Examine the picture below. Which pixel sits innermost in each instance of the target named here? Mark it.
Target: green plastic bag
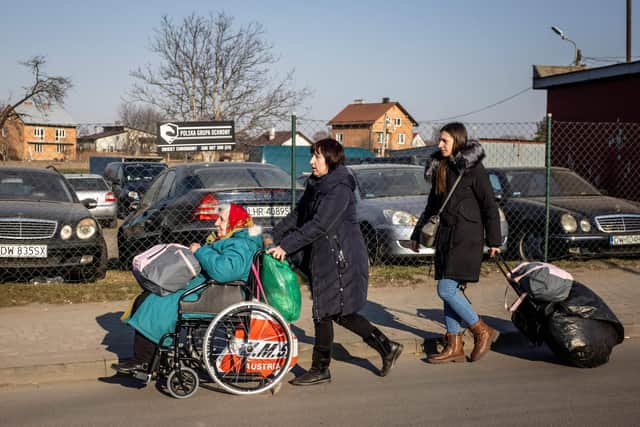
(281, 287)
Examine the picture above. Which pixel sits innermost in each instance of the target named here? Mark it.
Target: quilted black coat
(470, 218)
(323, 232)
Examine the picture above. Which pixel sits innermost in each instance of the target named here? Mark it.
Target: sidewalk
(51, 343)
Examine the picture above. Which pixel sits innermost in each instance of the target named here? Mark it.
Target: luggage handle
(503, 266)
(507, 273)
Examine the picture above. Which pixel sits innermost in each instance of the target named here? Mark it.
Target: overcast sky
(440, 59)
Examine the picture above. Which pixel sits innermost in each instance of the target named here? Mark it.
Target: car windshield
(88, 184)
(528, 183)
(142, 172)
(390, 182)
(241, 177)
(36, 186)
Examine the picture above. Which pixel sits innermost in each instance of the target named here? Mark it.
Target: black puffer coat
(324, 230)
(470, 215)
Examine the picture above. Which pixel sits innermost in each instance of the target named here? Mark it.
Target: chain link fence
(586, 204)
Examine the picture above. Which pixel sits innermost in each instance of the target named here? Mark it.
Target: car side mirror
(89, 203)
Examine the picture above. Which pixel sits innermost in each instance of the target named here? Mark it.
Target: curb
(91, 370)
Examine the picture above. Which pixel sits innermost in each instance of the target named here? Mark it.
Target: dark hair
(459, 134)
(331, 150)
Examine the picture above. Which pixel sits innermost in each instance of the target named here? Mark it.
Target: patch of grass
(116, 286)
(120, 285)
(397, 275)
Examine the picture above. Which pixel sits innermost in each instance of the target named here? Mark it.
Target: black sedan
(45, 230)
(582, 221)
(179, 206)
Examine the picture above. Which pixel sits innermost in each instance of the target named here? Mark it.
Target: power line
(483, 108)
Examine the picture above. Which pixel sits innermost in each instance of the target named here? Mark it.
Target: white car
(92, 186)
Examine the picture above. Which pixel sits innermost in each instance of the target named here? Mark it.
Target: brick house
(39, 134)
(378, 127)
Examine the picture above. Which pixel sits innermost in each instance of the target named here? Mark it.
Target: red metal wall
(607, 100)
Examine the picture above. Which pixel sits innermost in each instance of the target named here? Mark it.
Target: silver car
(92, 186)
(390, 199)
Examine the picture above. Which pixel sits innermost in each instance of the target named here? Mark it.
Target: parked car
(390, 199)
(179, 205)
(582, 221)
(45, 230)
(130, 180)
(93, 186)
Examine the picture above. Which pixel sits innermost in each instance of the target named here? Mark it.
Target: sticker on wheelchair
(263, 352)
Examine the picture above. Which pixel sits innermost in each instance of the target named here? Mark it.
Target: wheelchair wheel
(182, 383)
(247, 348)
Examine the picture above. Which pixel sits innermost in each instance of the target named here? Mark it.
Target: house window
(4, 133)
(38, 148)
(401, 138)
(60, 134)
(397, 121)
(379, 137)
(39, 134)
(340, 137)
(60, 148)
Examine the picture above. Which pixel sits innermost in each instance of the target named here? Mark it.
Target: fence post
(547, 189)
(293, 161)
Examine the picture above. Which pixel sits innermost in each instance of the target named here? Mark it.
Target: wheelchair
(227, 335)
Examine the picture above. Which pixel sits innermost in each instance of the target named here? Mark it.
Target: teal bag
(281, 287)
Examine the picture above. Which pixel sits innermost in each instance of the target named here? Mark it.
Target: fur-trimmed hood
(467, 157)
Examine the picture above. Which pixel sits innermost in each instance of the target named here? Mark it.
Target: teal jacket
(225, 260)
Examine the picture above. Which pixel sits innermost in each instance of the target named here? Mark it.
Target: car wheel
(531, 247)
(373, 248)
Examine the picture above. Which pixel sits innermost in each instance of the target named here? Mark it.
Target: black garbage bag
(531, 319)
(582, 330)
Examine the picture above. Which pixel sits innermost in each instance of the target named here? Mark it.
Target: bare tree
(210, 70)
(142, 117)
(44, 90)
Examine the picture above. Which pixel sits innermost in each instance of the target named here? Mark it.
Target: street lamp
(578, 52)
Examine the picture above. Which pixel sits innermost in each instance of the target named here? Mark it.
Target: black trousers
(324, 335)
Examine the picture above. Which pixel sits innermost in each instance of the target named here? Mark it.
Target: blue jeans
(457, 308)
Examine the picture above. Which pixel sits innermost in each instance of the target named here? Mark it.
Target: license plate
(23, 251)
(631, 239)
(268, 211)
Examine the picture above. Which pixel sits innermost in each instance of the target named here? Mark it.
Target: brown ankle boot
(483, 336)
(453, 352)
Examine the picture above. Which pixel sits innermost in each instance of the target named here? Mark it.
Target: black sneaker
(129, 366)
(313, 376)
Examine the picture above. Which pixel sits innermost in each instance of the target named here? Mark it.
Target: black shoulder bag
(430, 229)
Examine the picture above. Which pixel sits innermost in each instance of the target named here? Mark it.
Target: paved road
(517, 389)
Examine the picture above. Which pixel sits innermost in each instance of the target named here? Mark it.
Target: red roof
(361, 113)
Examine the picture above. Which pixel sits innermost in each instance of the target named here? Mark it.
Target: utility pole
(384, 136)
(628, 30)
